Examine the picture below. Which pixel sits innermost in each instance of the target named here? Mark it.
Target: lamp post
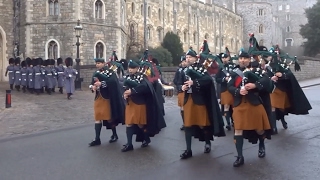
(78, 29)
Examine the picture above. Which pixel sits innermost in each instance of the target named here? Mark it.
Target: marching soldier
(24, 76)
(70, 74)
(178, 81)
(37, 75)
(48, 77)
(108, 103)
(143, 115)
(202, 117)
(54, 74)
(61, 78)
(249, 115)
(30, 72)
(222, 78)
(17, 74)
(43, 75)
(10, 72)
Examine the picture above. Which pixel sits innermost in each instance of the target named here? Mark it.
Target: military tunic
(70, 74)
(10, 70)
(60, 77)
(30, 77)
(17, 76)
(24, 77)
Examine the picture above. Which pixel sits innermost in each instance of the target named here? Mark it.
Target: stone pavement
(31, 114)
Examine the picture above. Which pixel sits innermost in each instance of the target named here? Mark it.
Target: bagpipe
(249, 75)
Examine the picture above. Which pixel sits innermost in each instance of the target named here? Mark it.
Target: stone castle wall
(6, 33)
(192, 20)
(309, 69)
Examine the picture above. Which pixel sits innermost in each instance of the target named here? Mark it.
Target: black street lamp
(78, 29)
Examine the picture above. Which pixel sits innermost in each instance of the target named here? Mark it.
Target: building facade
(46, 29)
(192, 20)
(275, 22)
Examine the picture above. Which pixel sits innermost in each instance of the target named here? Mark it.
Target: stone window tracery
(159, 31)
(149, 12)
(53, 50)
(149, 33)
(54, 9)
(141, 10)
(185, 36)
(99, 50)
(132, 32)
(194, 37)
(261, 42)
(133, 8)
(159, 14)
(260, 28)
(98, 9)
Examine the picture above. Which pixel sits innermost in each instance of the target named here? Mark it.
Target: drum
(168, 90)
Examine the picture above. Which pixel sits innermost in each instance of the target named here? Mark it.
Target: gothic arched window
(52, 50)
(149, 33)
(133, 8)
(54, 7)
(261, 28)
(185, 36)
(99, 50)
(98, 9)
(149, 12)
(132, 32)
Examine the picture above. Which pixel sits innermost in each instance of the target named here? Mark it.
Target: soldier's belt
(17, 72)
(24, 74)
(38, 74)
(30, 74)
(49, 74)
(60, 72)
(10, 71)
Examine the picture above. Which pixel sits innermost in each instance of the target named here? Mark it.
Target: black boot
(11, 86)
(61, 90)
(182, 116)
(31, 90)
(262, 149)
(227, 116)
(69, 96)
(188, 137)
(273, 123)
(128, 146)
(24, 89)
(239, 161)
(53, 90)
(146, 140)
(114, 136)
(49, 91)
(207, 137)
(239, 146)
(17, 87)
(284, 123)
(96, 141)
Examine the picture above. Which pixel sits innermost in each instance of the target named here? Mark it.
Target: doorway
(3, 57)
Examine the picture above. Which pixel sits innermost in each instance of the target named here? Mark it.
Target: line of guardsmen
(38, 76)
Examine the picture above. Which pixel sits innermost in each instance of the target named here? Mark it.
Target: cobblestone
(31, 114)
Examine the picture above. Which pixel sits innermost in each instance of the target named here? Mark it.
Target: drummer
(178, 81)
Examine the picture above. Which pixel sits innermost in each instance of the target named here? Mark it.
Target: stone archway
(3, 55)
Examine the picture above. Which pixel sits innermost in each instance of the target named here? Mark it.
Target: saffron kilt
(135, 114)
(195, 115)
(102, 109)
(279, 99)
(226, 98)
(250, 117)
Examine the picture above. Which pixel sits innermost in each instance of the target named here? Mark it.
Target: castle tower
(258, 19)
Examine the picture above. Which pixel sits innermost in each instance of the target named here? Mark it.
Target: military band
(253, 94)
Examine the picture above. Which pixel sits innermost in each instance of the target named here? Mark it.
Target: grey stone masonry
(309, 69)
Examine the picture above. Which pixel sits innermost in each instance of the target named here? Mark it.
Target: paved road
(63, 154)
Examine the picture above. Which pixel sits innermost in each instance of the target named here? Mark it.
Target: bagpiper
(108, 103)
(202, 117)
(143, 115)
